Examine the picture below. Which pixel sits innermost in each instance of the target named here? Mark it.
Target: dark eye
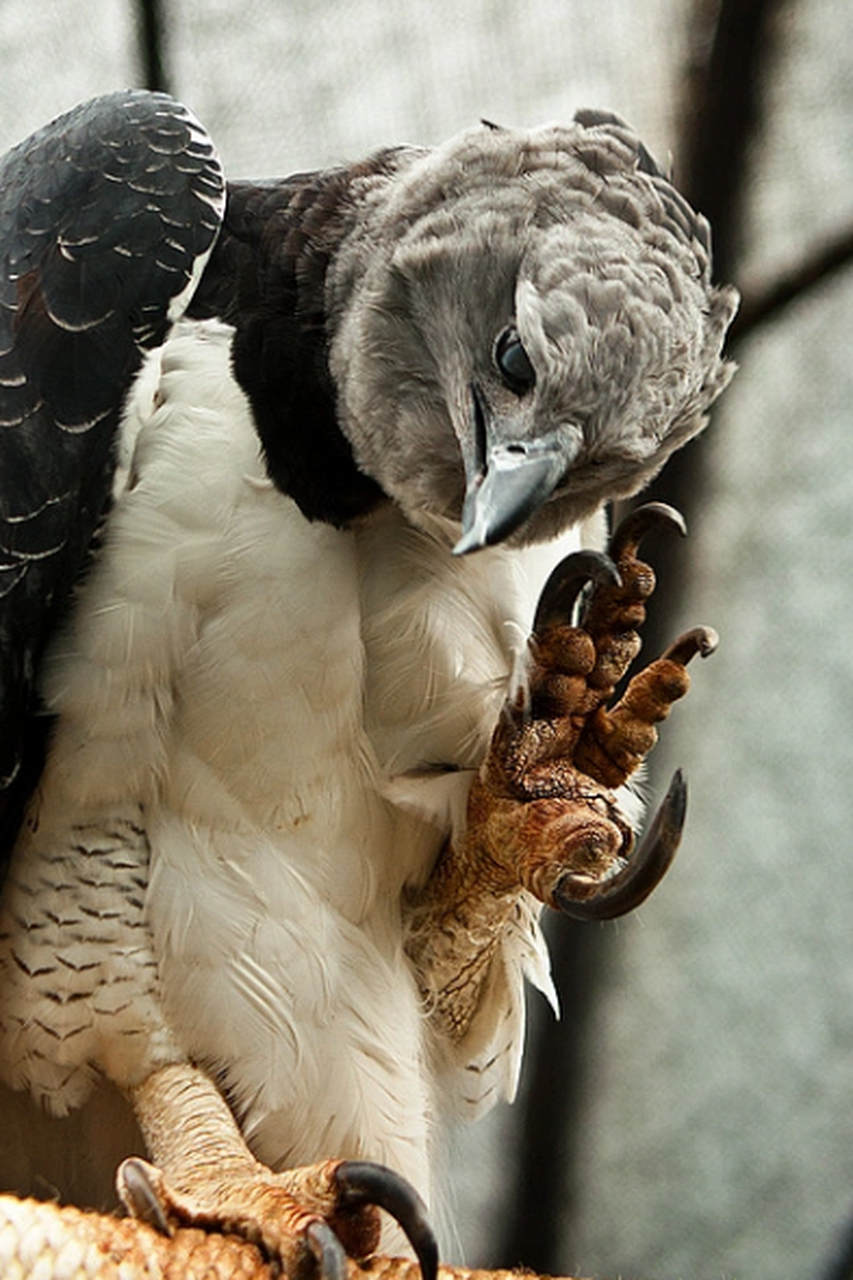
(513, 362)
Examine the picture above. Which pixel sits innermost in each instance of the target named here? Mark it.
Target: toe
(310, 1219)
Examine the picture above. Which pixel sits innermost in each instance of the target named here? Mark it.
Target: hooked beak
(508, 477)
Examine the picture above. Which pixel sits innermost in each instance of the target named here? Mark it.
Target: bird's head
(526, 327)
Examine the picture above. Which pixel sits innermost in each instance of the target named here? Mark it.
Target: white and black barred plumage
(245, 681)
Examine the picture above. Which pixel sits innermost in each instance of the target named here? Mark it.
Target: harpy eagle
(293, 749)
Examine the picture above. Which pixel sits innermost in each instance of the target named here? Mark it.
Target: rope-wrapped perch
(42, 1241)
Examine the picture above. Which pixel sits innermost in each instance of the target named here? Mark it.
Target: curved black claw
(701, 640)
(584, 899)
(327, 1251)
(567, 580)
(361, 1183)
(637, 523)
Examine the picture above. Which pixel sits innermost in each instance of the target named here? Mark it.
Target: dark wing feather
(104, 217)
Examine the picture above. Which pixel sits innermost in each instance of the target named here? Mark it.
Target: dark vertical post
(551, 1100)
(151, 29)
(722, 118)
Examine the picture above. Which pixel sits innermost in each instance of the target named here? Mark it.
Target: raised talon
(566, 756)
(630, 532)
(631, 883)
(544, 813)
(701, 640)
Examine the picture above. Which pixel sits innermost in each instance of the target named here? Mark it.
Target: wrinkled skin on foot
(542, 812)
(307, 1220)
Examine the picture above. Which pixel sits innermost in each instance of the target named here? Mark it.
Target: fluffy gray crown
(575, 237)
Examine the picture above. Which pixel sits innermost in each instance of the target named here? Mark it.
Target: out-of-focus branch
(722, 116)
(766, 303)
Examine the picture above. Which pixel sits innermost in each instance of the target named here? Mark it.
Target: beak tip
(510, 474)
(508, 495)
(470, 541)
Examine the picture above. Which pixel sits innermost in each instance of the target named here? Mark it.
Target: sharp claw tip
(710, 642)
(139, 1195)
(327, 1251)
(701, 640)
(666, 514)
(675, 800)
(629, 883)
(637, 523)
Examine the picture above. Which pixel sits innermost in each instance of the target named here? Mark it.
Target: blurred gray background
(692, 1116)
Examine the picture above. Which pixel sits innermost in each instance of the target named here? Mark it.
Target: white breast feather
(271, 692)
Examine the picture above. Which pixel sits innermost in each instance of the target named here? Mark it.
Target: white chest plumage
(264, 729)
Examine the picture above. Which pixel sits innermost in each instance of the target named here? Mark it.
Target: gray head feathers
(572, 240)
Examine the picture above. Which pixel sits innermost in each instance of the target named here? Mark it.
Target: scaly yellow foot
(308, 1220)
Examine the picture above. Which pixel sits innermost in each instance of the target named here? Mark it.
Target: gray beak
(508, 477)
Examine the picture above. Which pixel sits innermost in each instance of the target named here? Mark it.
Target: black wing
(105, 217)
